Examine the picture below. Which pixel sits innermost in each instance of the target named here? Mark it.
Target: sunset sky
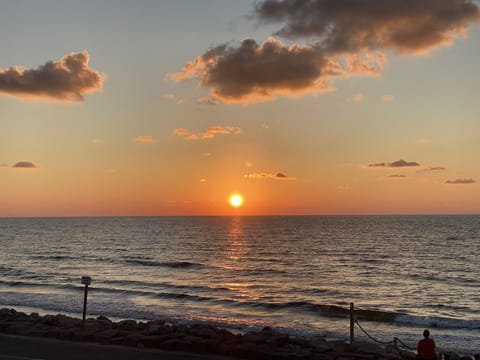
(301, 106)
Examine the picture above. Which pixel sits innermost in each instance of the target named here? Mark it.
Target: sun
(235, 200)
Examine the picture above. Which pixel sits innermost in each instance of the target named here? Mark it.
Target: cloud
(68, 79)
(395, 164)
(173, 98)
(410, 27)
(358, 97)
(25, 165)
(273, 176)
(210, 133)
(144, 139)
(346, 38)
(3, 164)
(98, 141)
(460, 181)
(423, 141)
(388, 98)
(255, 72)
(433, 168)
(396, 176)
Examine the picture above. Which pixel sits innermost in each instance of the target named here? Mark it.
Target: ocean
(297, 274)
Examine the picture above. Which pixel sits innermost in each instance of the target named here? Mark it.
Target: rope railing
(396, 341)
(371, 337)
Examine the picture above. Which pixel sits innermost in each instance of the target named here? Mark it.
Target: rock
(407, 355)
(367, 348)
(127, 325)
(155, 329)
(449, 355)
(323, 347)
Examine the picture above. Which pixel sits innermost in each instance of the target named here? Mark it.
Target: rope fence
(396, 341)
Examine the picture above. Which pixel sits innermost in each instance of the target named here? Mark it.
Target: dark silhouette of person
(426, 347)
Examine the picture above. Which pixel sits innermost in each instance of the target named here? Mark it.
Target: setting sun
(236, 200)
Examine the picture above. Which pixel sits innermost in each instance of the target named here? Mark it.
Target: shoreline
(199, 339)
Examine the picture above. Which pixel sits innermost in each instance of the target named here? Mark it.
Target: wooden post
(85, 306)
(352, 324)
(86, 280)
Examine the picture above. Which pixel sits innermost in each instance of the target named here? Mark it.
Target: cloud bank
(395, 164)
(347, 37)
(210, 133)
(68, 79)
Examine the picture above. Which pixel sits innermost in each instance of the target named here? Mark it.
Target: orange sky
(168, 109)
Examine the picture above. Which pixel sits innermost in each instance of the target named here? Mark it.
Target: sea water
(298, 274)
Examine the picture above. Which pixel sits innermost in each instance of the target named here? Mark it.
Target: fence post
(352, 324)
(86, 280)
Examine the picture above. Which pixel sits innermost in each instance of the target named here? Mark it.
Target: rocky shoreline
(197, 338)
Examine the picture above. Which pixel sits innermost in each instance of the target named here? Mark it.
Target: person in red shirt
(426, 348)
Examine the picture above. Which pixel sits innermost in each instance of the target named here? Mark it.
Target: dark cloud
(347, 37)
(255, 72)
(68, 79)
(403, 163)
(25, 165)
(460, 181)
(406, 26)
(397, 176)
(395, 164)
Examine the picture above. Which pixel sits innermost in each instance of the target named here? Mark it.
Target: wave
(295, 307)
(169, 264)
(438, 322)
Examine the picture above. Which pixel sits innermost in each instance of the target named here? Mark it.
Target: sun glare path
(236, 200)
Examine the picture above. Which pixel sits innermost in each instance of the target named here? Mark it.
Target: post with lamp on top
(86, 280)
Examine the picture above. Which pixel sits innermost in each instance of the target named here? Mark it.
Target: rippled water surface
(296, 273)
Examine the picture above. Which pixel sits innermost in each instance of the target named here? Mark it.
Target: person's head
(426, 334)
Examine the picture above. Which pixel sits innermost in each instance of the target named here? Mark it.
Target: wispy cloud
(210, 133)
(98, 141)
(388, 98)
(173, 98)
(273, 176)
(423, 141)
(358, 97)
(68, 79)
(25, 165)
(396, 176)
(144, 139)
(460, 181)
(395, 164)
(433, 169)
